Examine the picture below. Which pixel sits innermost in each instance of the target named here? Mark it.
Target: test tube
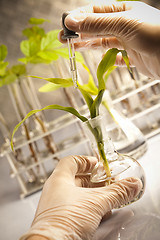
(70, 35)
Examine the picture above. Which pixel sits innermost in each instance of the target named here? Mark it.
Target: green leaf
(49, 87)
(3, 52)
(86, 96)
(33, 32)
(37, 59)
(34, 59)
(50, 41)
(19, 69)
(54, 106)
(63, 52)
(48, 55)
(90, 87)
(107, 62)
(29, 47)
(64, 82)
(37, 21)
(95, 106)
(126, 59)
(110, 70)
(3, 66)
(10, 78)
(27, 32)
(23, 60)
(55, 44)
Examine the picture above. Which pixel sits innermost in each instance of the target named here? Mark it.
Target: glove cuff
(46, 230)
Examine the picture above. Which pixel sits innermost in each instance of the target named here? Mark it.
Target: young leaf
(90, 87)
(29, 47)
(37, 21)
(33, 32)
(55, 44)
(49, 87)
(23, 60)
(110, 70)
(37, 59)
(54, 106)
(125, 58)
(3, 66)
(8, 79)
(3, 52)
(19, 69)
(34, 59)
(64, 82)
(50, 41)
(48, 55)
(96, 103)
(63, 52)
(86, 96)
(107, 62)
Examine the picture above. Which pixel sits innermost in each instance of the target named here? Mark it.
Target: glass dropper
(69, 36)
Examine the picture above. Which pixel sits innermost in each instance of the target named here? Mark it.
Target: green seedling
(9, 74)
(41, 46)
(105, 65)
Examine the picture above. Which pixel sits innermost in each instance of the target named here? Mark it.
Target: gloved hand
(133, 26)
(69, 209)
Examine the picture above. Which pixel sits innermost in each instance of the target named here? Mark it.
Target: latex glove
(69, 209)
(133, 26)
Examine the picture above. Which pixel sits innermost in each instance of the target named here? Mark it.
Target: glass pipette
(70, 35)
(72, 58)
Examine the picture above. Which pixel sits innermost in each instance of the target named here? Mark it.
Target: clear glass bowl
(121, 168)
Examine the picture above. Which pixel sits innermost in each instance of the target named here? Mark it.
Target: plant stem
(97, 133)
(103, 158)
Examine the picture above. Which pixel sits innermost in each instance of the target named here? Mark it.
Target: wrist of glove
(69, 208)
(53, 224)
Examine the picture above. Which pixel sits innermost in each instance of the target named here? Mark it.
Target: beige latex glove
(133, 26)
(69, 209)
